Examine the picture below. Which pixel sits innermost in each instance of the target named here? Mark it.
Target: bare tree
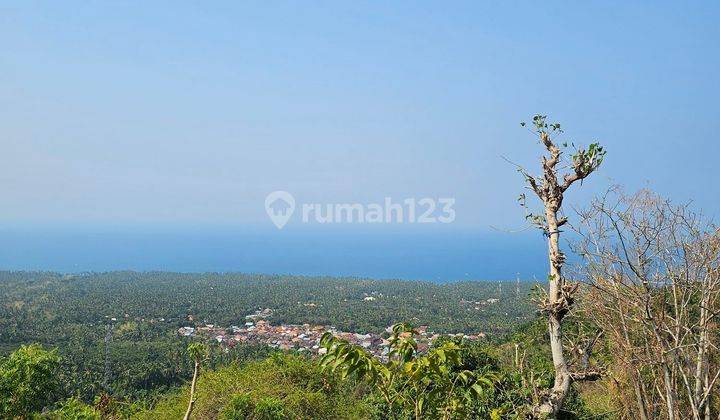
(558, 301)
(654, 271)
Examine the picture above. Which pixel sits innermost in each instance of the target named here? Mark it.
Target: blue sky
(191, 113)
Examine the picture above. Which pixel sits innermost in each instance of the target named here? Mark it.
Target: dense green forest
(225, 299)
(117, 331)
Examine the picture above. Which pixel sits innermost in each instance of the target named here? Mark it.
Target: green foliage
(541, 125)
(72, 312)
(420, 386)
(587, 161)
(293, 386)
(269, 408)
(148, 355)
(240, 407)
(198, 352)
(456, 379)
(74, 409)
(27, 380)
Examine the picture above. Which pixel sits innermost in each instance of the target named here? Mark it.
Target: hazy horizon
(408, 253)
(192, 113)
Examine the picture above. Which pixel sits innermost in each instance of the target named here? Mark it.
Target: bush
(239, 408)
(281, 386)
(27, 381)
(74, 409)
(269, 409)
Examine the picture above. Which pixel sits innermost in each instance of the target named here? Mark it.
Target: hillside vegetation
(281, 386)
(117, 331)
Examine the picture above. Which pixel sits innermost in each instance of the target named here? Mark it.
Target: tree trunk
(192, 391)
(639, 395)
(556, 304)
(669, 395)
(701, 362)
(708, 401)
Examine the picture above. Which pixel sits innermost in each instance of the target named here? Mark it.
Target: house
(186, 331)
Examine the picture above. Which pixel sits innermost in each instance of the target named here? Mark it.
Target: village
(303, 338)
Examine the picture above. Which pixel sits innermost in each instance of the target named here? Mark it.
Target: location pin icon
(280, 206)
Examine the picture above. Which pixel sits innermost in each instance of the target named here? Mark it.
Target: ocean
(433, 253)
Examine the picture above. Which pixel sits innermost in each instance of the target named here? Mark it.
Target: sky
(190, 113)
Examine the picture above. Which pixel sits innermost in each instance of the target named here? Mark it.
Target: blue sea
(434, 253)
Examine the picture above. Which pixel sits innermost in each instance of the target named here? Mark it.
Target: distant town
(305, 337)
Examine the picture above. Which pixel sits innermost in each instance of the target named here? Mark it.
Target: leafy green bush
(239, 408)
(74, 409)
(269, 408)
(432, 385)
(27, 381)
(284, 386)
